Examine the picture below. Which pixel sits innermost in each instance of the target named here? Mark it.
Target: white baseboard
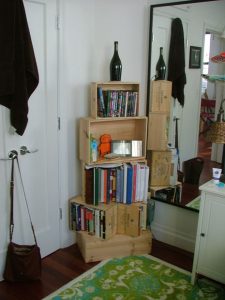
(175, 226)
(174, 238)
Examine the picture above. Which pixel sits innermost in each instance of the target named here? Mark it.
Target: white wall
(87, 34)
(88, 31)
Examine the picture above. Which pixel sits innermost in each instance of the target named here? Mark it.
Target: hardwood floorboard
(66, 264)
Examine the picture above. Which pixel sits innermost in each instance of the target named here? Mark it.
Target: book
(96, 186)
(89, 187)
(97, 223)
(134, 184)
(124, 183)
(138, 182)
(83, 218)
(73, 216)
(146, 181)
(108, 186)
(142, 182)
(118, 185)
(78, 217)
(129, 184)
(101, 103)
(102, 224)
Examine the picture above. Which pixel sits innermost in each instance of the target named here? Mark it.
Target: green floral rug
(137, 277)
(195, 203)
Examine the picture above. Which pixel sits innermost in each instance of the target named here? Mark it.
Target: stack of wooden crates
(159, 155)
(123, 234)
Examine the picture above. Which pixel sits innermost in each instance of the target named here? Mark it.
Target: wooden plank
(160, 167)
(94, 249)
(160, 96)
(158, 130)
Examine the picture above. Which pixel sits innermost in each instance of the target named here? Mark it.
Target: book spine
(101, 103)
(97, 223)
(129, 184)
(89, 188)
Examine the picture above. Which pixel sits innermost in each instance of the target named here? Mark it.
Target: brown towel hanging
(18, 68)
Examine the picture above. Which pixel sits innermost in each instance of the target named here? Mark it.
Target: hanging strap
(12, 199)
(11, 225)
(176, 142)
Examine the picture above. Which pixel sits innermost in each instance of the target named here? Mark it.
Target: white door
(40, 168)
(216, 46)
(161, 38)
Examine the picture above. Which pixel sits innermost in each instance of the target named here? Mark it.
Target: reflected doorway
(212, 46)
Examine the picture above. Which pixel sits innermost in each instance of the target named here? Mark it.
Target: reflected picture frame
(195, 57)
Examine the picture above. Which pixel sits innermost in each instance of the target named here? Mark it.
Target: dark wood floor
(66, 264)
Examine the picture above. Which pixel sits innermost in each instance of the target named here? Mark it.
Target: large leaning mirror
(203, 26)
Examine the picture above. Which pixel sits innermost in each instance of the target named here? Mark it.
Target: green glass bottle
(160, 67)
(115, 65)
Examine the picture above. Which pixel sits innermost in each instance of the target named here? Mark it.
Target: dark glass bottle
(160, 67)
(115, 65)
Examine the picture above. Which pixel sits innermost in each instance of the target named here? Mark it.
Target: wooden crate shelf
(111, 86)
(134, 128)
(94, 249)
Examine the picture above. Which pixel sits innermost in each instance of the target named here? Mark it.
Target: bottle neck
(116, 46)
(161, 50)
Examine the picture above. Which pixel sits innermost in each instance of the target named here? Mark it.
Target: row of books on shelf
(117, 103)
(88, 219)
(104, 223)
(122, 183)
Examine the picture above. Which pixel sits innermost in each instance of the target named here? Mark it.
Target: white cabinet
(209, 256)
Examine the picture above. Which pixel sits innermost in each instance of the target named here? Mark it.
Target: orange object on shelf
(105, 145)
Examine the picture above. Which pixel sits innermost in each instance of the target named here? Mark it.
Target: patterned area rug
(195, 203)
(137, 277)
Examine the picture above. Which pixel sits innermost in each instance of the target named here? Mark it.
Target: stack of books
(123, 183)
(117, 103)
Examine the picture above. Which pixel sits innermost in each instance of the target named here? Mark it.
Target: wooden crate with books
(112, 209)
(105, 220)
(115, 182)
(99, 221)
(115, 99)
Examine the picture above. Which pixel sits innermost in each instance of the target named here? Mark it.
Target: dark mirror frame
(152, 7)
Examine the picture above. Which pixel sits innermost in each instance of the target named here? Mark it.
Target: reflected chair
(192, 170)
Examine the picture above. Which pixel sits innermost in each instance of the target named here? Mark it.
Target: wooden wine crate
(131, 219)
(94, 249)
(160, 167)
(158, 131)
(134, 128)
(112, 86)
(160, 96)
(175, 190)
(110, 215)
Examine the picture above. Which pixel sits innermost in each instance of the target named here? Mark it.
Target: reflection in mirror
(203, 24)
